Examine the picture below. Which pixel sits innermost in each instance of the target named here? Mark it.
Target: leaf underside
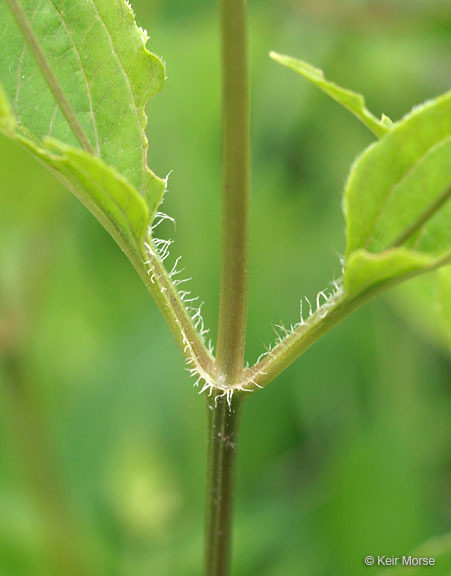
(99, 58)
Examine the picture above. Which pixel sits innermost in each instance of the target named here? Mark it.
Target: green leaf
(365, 270)
(397, 201)
(354, 102)
(104, 192)
(444, 283)
(107, 194)
(99, 59)
(438, 548)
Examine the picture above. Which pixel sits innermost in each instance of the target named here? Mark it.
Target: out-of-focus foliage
(445, 301)
(348, 453)
(438, 549)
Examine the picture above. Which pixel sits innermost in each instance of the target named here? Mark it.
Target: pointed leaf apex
(350, 100)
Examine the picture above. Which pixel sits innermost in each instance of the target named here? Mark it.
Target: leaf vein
(85, 79)
(52, 119)
(19, 67)
(127, 80)
(395, 185)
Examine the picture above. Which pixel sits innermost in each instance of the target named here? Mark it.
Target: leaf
(353, 101)
(444, 282)
(103, 191)
(99, 58)
(397, 201)
(365, 270)
(107, 194)
(438, 548)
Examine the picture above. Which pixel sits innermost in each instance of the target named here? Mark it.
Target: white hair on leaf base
(159, 249)
(210, 384)
(325, 300)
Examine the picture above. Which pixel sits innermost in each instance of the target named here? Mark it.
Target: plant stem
(52, 82)
(224, 420)
(236, 192)
(224, 410)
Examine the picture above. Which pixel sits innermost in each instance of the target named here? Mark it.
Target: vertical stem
(224, 412)
(224, 423)
(236, 192)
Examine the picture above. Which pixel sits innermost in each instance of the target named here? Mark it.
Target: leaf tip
(386, 122)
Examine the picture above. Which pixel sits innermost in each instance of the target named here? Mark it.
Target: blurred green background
(102, 437)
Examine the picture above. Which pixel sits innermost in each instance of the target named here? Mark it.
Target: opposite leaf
(99, 59)
(397, 201)
(354, 102)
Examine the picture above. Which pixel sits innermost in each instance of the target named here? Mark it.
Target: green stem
(224, 420)
(52, 82)
(224, 409)
(236, 192)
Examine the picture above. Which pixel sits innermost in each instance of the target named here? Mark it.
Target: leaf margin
(354, 102)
